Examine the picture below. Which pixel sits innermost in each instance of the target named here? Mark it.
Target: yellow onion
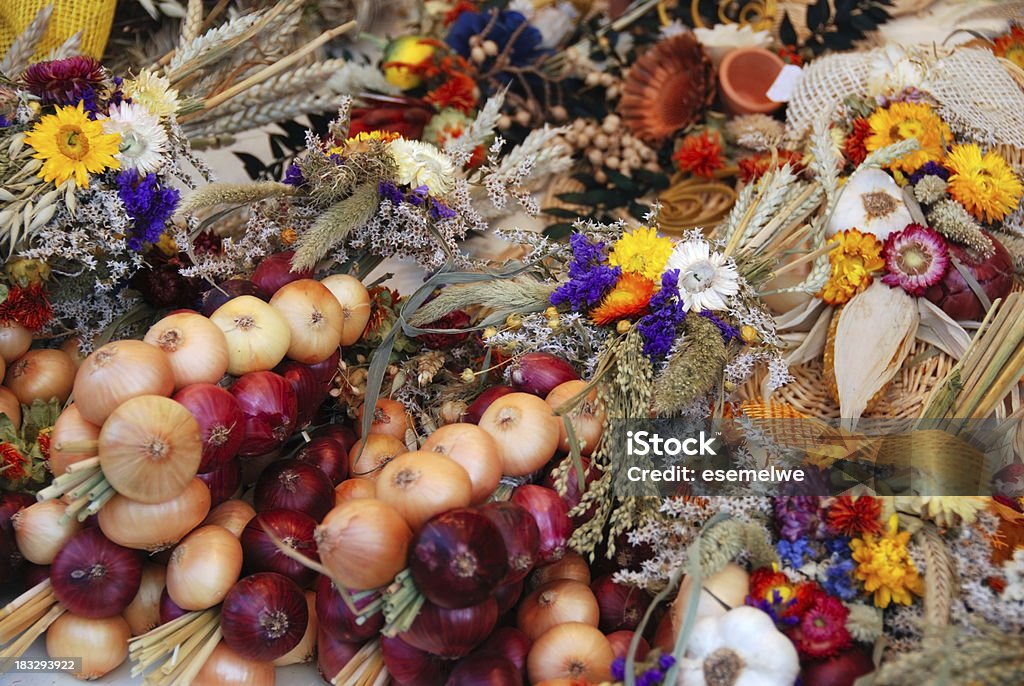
(314, 317)
(352, 489)
(554, 603)
(203, 568)
(101, 643)
(41, 375)
(117, 372)
(10, 406)
(474, 450)
(571, 650)
(258, 336)
(195, 347)
(73, 347)
(355, 305)
(143, 613)
(572, 566)
(225, 667)
(525, 430)
(233, 515)
(420, 485)
(155, 526)
(70, 431)
(380, 449)
(40, 533)
(587, 418)
(15, 340)
(363, 543)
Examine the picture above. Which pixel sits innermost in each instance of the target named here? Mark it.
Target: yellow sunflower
(641, 252)
(70, 144)
(984, 184)
(903, 120)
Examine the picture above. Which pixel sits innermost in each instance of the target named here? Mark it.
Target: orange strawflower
(458, 92)
(854, 148)
(627, 300)
(700, 154)
(1011, 46)
(757, 165)
(852, 517)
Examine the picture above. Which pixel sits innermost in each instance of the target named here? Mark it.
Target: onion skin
(477, 408)
(339, 432)
(309, 392)
(95, 577)
(224, 483)
(39, 533)
(117, 372)
(10, 406)
(411, 666)
(69, 428)
(622, 607)
(294, 529)
(203, 568)
(379, 451)
(508, 595)
(169, 610)
(587, 418)
(332, 655)
(364, 543)
(15, 340)
(195, 347)
(420, 485)
(554, 603)
(539, 373)
(314, 318)
(305, 651)
(326, 370)
(571, 650)
(572, 566)
(353, 489)
(264, 616)
(102, 643)
(143, 613)
(41, 375)
(329, 455)
(389, 418)
(276, 270)
(458, 558)
(354, 299)
(233, 515)
(451, 633)
(552, 517)
(993, 274)
(621, 641)
(573, 494)
(225, 667)
(221, 423)
(11, 560)
(155, 526)
(474, 450)
(258, 336)
(228, 290)
(510, 643)
(269, 408)
(520, 534)
(485, 670)
(525, 430)
(842, 670)
(294, 485)
(337, 620)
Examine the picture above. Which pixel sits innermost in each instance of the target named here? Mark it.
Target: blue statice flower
(148, 203)
(794, 552)
(506, 26)
(838, 545)
(390, 192)
(293, 175)
(666, 661)
(660, 328)
(438, 210)
(589, 277)
(619, 668)
(417, 196)
(4, 122)
(729, 332)
(930, 168)
(839, 576)
(776, 608)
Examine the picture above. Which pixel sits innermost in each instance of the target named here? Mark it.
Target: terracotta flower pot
(745, 76)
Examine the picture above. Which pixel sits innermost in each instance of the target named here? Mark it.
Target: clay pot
(744, 78)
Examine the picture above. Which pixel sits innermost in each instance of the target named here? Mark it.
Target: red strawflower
(855, 517)
(65, 82)
(822, 631)
(773, 592)
(757, 165)
(12, 463)
(43, 441)
(789, 55)
(854, 148)
(700, 154)
(459, 92)
(406, 120)
(456, 11)
(27, 306)
(443, 341)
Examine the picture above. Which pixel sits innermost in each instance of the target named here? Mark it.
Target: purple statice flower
(148, 203)
(729, 332)
(417, 196)
(839, 578)
(929, 168)
(336, 158)
(4, 122)
(293, 175)
(619, 668)
(794, 552)
(653, 676)
(390, 192)
(660, 328)
(799, 516)
(776, 608)
(589, 277)
(666, 661)
(438, 210)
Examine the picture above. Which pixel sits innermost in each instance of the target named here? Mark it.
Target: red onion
(458, 558)
(338, 620)
(622, 607)
(35, 574)
(843, 669)
(485, 669)
(339, 432)
(294, 485)
(573, 494)
(269, 408)
(294, 529)
(626, 556)
(510, 643)
(552, 517)
(264, 616)
(521, 535)
(329, 455)
(95, 577)
(11, 560)
(331, 654)
(538, 373)
(410, 666)
(326, 371)
(994, 274)
(477, 408)
(221, 423)
(169, 610)
(309, 392)
(621, 641)
(508, 594)
(223, 483)
(276, 271)
(451, 633)
(230, 289)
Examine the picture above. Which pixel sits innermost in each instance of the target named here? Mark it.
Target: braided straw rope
(939, 577)
(92, 17)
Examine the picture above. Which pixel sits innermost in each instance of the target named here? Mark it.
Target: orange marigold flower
(458, 92)
(27, 306)
(628, 299)
(855, 516)
(700, 154)
(854, 148)
(757, 165)
(12, 463)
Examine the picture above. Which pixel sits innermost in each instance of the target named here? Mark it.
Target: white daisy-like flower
(154, 92)
(143, 139)
(706, 279)
(422, 164)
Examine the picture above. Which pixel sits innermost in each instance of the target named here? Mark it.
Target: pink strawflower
(916, 258)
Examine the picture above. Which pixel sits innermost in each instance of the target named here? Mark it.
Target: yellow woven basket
(92, 17)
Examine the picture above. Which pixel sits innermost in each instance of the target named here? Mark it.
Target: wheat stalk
(192, 23)
(24, 46)
(258, 115)
(940, 583)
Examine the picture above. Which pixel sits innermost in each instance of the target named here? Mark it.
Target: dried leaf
(940, 330)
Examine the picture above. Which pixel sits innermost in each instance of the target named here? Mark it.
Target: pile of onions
(571, 650)
(420, 485)
(143, 613)
(354, 299)
(232, 288)
(551, 515)
(275, 271)
(225, 667)
(101, 643)
(195, 347)
(41, 530)
(41, 375)
(520, 534)
(264, 616)
(363, 543)
(154, 526)
(451, 633)
(309, 391)
(622, 607)
(352, 489)
(474, 450)
(458, 558)
(224, 482)
(117, 372)
(538, 373)
(294, 485)
(233, 515)
(412, 666)
(314, 319)
(95, 577)
(10, 406)
(15, 340)
(203, 568)
(150, 448)
(338, 620)
(587, 418)
(554, 603)
(294, 530)
(257, 335)
(525, 431)
(269, 408)
(221, 424)
(329, 455)
(389, 418)
(368, 456)
(70, 429)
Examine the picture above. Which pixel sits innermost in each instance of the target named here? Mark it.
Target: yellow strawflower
(984, 184)
(642, 252)
(885, 567)
(853, 261)
(903, 120)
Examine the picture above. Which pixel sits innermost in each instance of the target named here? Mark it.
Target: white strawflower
(422, 164)
(143, 139)
(706, 279)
